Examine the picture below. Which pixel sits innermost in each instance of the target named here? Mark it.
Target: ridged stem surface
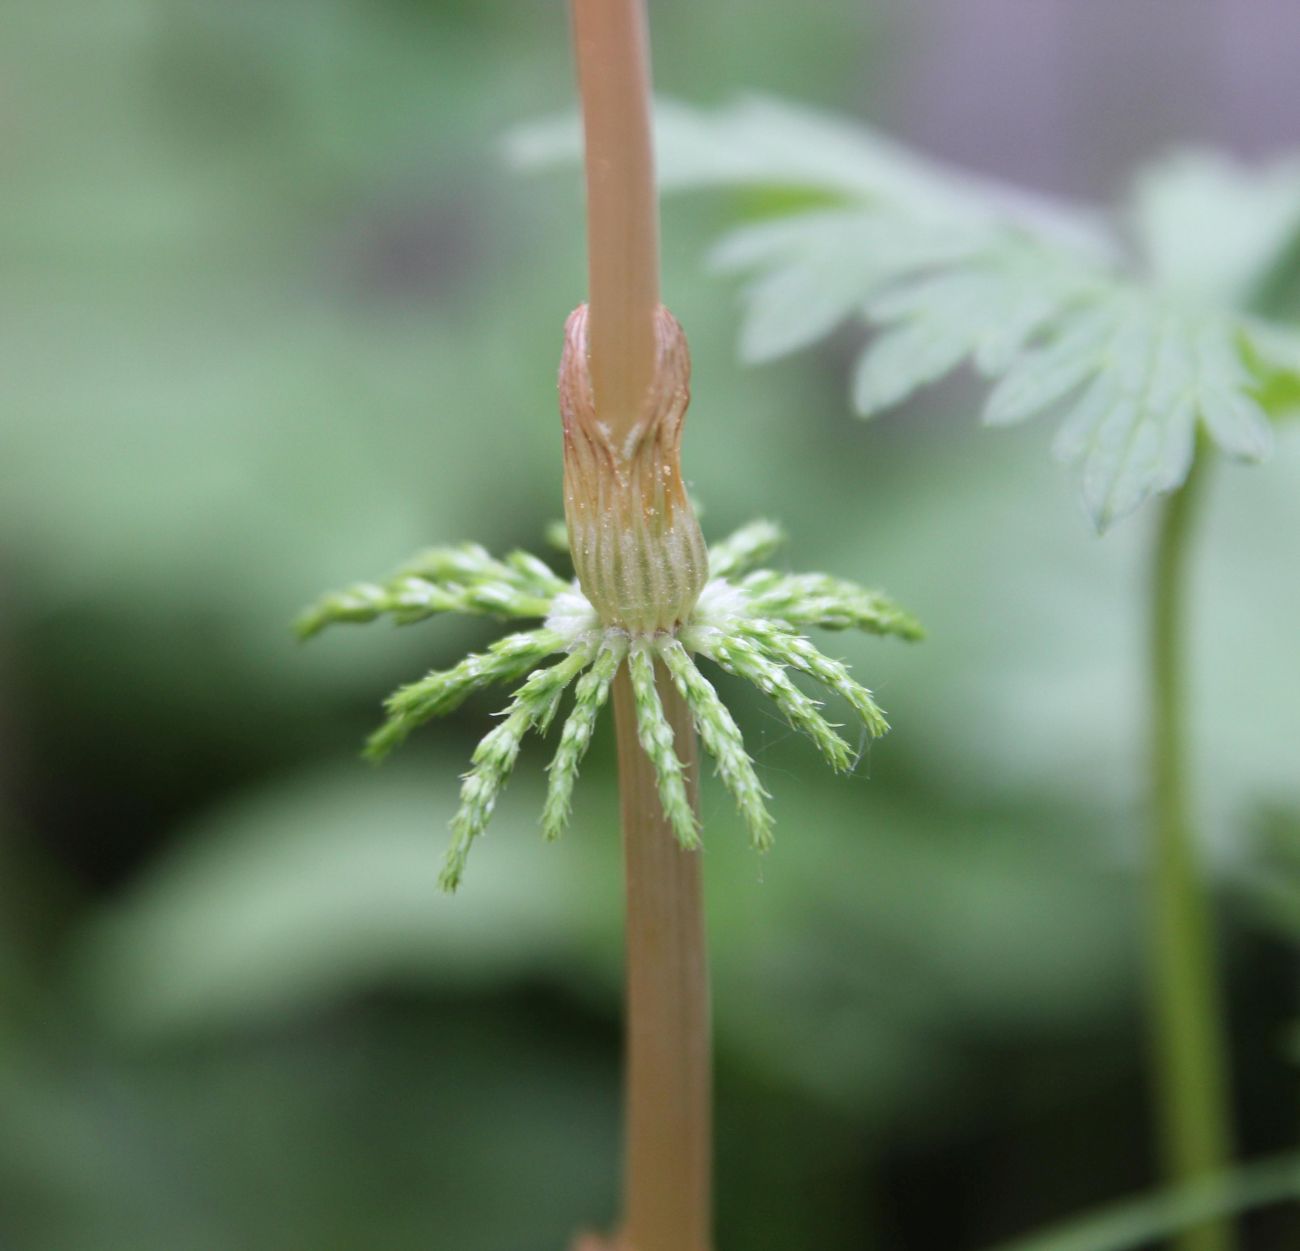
(635, 544)
(668, 1134)
(612, 45)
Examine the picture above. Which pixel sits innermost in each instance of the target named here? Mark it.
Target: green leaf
(1212, 228)
(1040, 376)
(815, 270)
(1132, 430)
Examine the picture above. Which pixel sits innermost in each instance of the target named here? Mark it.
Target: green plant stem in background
(1192, 1084)
(668, 1078)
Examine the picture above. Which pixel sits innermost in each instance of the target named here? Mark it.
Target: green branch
(1193, 1089)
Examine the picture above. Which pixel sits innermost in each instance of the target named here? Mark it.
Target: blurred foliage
(276, 314)
(1140, 1222)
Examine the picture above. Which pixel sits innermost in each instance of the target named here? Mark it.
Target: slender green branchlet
(442, 579)
(721, 737)
(494, 759)
(747, 621)
(444, 690)
(589, 695)
(740, 656)
(750, 545)
(658, 741)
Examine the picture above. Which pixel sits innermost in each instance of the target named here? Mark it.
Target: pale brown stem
(668, 1081)
(668, 1143)
(612, 46)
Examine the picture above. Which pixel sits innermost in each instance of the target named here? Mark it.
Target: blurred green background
(276, 314)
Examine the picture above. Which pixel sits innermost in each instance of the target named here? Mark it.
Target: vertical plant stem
(668, 1143)
(612, 44)
(668, 1081)
(1192, 1084)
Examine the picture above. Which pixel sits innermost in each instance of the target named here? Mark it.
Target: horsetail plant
(648, 604)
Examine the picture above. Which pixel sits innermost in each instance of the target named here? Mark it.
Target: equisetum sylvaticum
(650, 601)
